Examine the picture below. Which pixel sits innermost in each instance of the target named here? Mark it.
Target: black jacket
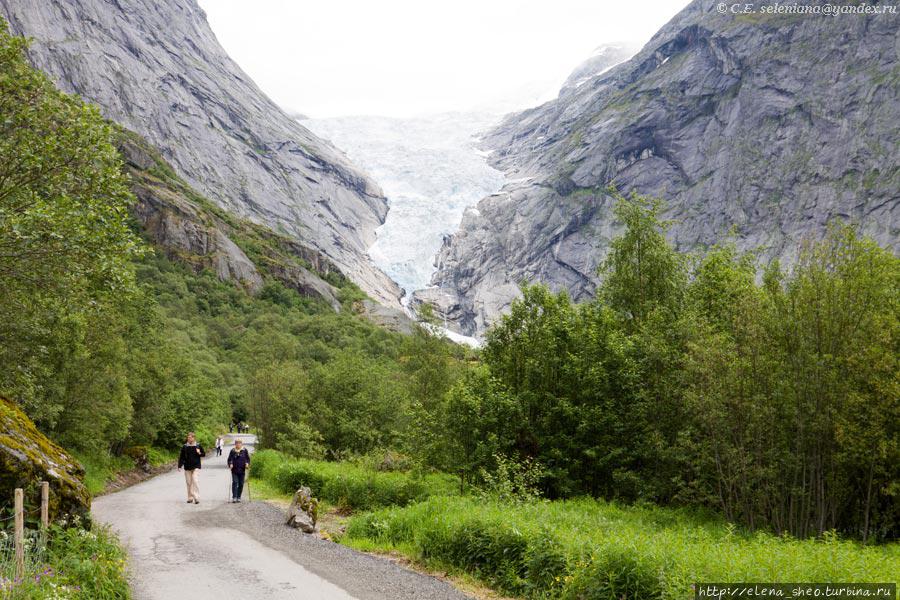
(238, 461)
(189, 459)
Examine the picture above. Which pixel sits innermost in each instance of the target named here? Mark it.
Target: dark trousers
(237, 484)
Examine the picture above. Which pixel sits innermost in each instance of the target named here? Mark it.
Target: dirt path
(218, 550)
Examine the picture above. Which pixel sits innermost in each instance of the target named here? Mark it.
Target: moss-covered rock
(28, 457)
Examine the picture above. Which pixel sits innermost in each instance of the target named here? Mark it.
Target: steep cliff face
(769, 124)
(187, 227)
(155, 67)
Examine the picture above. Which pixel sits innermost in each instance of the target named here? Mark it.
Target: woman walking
(239, 463)
(189, 459)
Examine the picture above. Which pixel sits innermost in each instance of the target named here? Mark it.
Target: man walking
(218, 446)
(189, 459)
(239, 463)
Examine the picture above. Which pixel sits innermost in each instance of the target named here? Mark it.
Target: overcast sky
(410, 57)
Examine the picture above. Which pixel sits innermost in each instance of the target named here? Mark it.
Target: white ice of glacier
(430, 171)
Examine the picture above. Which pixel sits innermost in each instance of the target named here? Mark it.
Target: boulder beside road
(28, 457)
(303, 511)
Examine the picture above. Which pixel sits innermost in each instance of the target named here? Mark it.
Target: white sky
(408, 57)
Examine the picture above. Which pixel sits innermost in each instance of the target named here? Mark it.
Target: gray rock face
(187, 228)
(156, 67)
(392, 319)
(769, 124)
(604, 58)
(178, 228)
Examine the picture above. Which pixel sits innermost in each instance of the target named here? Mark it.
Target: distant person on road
(218, 446)
(239, 463)
(231, 427)
(189, 460)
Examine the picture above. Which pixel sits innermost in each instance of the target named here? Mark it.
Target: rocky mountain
(769, 124)
(155, 67)
(604, 58)
(180, 222)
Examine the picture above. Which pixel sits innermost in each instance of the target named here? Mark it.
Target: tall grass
(589, 549)
(101, 468)
(347, 485)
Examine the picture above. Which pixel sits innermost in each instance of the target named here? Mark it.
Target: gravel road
(218, 550)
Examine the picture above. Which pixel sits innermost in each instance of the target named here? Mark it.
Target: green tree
(66, 255)
(642, 272)
(477, 422)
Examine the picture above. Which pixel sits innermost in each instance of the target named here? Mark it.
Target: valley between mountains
(607, 340)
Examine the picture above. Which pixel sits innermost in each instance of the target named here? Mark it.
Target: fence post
(20, 534)
(45, 504)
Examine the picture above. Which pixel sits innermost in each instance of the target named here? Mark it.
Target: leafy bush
(512, 480)
(589, 549)
(347, 485)
(264, 463)
(622, 574)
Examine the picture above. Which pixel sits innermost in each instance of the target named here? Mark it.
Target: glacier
(430, 171)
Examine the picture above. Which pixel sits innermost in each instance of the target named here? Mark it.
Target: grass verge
(102, 469)
(590, 549)
(66, 562)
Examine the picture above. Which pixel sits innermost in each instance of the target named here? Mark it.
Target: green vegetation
(313, 381)
(686, 382)
(113, 347)
(66, 562)
(594, 549)
(770, 399)
(101, 468)
(349, 486)
(65, 263)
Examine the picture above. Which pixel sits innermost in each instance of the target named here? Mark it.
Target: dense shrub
(264, 463)
(347, 485)
(622, 574)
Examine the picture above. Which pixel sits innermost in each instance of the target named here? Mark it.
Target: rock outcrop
(28, 457)
(303, 511)
(391, 319)
(188, 228)
(771, 125)
(155, 67)
(604, 58)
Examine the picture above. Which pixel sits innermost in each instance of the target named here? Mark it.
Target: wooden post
(20, 534)
(45, 504)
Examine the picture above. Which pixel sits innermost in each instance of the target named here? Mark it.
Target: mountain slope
(771, 125)
(188, 228)
(155, 67)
